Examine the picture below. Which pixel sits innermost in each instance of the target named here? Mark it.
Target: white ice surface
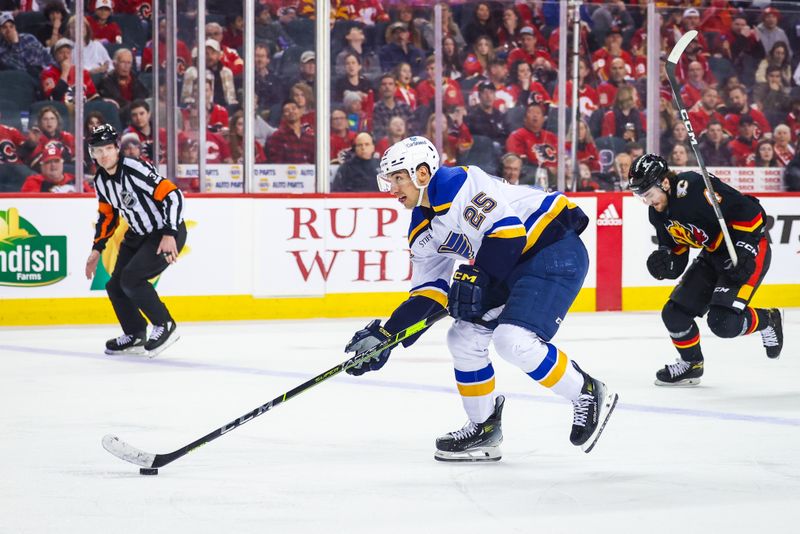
(355, 455)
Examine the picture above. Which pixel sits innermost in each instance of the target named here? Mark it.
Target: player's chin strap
(421, 193)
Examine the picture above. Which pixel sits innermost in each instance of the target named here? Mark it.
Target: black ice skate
(592, 409)
(162, 336)
(772, 336)
(126, 344)
(680, 374)
(476, 442)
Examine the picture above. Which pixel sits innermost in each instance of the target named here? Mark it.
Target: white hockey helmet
(408, 155)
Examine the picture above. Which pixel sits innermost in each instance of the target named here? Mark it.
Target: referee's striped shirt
(147, 201)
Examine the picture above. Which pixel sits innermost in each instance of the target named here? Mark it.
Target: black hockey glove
(745, 264)
(664, 264)
(364, 340)
(467, 293)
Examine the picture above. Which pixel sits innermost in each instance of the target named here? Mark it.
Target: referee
(152, 207)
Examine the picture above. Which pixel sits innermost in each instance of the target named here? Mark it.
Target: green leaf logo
(28, 258)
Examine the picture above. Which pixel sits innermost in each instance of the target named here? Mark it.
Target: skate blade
(171, 341)
(479, 454)
(132, 350)
(609, 403)
(685, 383)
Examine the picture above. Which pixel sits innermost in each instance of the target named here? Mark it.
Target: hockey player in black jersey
(683, 216)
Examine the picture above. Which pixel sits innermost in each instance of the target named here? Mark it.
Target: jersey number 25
(475, 212)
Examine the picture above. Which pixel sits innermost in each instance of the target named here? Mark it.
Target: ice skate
(476, 442)
(162, 336)
(126, 344)
(592, 409)
(680, 374)
(772, 336)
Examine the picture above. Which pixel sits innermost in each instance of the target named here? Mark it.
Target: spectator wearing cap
(451, 91)
(130, 146)
(370, 64)
(484, 118)
(184, 58)
(358, 173)
(602, 57)
(54, 26)
(95, 55)
(229, 57)
(705, 110)
(400, 50)
(308, 70)
(772, 97)
(529, 51)
(20, 51)
(784, 150)
(769, 32)
(122, 85)
(142, 128)
(690, 20)
(387, 107)
(104, 30)
(738, 106)
(534, 144)
(292, 142)
(269, 88)
(52, 179)
(743, 146)
(480, 24)
(396, 132)
(224, 88)
(714, 146)
(58, 80)
(341, 135)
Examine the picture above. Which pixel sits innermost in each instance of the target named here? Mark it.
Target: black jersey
(690, 221)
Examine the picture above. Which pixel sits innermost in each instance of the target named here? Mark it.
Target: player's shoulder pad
(419, 223)
(444, 187)
(688, 181)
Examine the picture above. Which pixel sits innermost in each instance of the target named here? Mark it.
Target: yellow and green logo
(28, 258)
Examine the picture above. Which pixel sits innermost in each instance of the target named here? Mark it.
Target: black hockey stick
(131, 454)
(672, 62)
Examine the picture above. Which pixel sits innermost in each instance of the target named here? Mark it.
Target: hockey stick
(131, 454)
(672, 62)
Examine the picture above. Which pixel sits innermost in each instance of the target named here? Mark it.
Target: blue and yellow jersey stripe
(444, 187)
(475, 383)
(556, 215)
(436, 291)
(506, 228)
(552, 367)
(419, 223)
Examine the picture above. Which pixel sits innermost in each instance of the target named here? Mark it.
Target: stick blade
(126, 452)
(680, 46)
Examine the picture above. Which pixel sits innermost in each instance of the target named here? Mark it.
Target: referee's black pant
(129, 290)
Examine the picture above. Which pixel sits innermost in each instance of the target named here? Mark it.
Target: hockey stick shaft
(131, 454)
(672, 63)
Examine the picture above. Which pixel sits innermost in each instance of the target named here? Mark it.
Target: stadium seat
(9, 114)
(12, 176)
(596, 122)
(551, 123)
(302, 32)
(109, 111)
(19, 87)
(610, 142)
(29, 21)
(721, 68)
(483, 154)
(133, 33)
(514, 118)
(66, 118)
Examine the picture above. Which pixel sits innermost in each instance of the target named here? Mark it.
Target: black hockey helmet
(105, 134)
(648, 170)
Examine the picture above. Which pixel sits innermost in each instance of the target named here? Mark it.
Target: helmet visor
(649, 195)
(384, 183)
(394, 178)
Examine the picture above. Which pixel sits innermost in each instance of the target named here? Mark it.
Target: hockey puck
(148, 471)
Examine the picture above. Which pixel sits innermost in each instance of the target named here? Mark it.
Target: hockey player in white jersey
(527, 266)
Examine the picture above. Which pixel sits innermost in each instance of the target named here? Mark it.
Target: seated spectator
(741, 43)
(367, 12)
(791, 177)
(11, 141)
(95, 55)
(53, 29)
(233, 34)
(268, 86)
(91, 120)
(634, 149)
(772, 97)
(484, 118)
(217, 150)
(503, 96)
(624, 120)
(122, 85)
(480, 24)
(691, 21)
(678, 135)
(449, 29)
(588, 97)
(452, 59)
(607, 91)
(291, 143)
(184, 59)
(396, 132)
(617, 180)
(511, 165)
(743, 147)
(705, 110)
(142, 128)
(308, 70)
(52, 179)
(534, 144)
(20, 51)
(778, 57)
(342, 136)
(358, 173)
(352, 80)
(694, 85)
(370, 64)
(387, 107)
(530, 52)
(680, 157)
(131, 147)
(508, 34)
(765, 155)
(769, 32)
(738, 107)
(793, 119)
(601, 58)
(400, 50)
(476, 64)
(270, 31)
(104, 30)
(457, 139)
(357, 118)
(694, 52)
(587, 151)
(784, 150)
(714, 147)
(229, 57)
(303, 96)
(224, 88)
(523, 88)
(188, 154)
(236, 141)
(405, 92)
(58, 80)
(425, 90)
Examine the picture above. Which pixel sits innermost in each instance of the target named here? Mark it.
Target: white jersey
(469, 207)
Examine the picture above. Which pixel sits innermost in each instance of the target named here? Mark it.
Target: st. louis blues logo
(456, 244)
(687, 235)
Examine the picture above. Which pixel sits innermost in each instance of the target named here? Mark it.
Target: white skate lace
(769, 338)
(677, 368)
(157, 332)
(124, 339)
(581, 407)
(469, 429)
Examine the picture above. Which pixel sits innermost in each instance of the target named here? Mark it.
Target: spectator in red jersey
(291, 143)
(691, 21)
(142, 128)
(778, 57)
(47, 130)
(405, 92)
(228, 56)
(714, 146)
(11, 141)
(426, 90)
(601, 58)
(52, 179)
(508, 35)
(532, 142)
(122, 85)
(784, 150)
(396, 132)
(705, 110)
(498, 77)
(143, 8)
(772, 97)
(477, 62)
(607, 91)
(367, 12)
(793, 119)
(743, 146)
(104, 30)
(587, 150)
(236, 141)
(588, 97)
(624, 120)
(233, 34)
(341, 135)
(765, 155)
(523, 88)
(484, 118)
(184, 58)
(741, 42)
(694, 85)
(530, 51)
(224, 88)
(583, 40)
(58, 80)
(739, 106)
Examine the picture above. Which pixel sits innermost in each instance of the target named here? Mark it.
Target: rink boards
(292, 256)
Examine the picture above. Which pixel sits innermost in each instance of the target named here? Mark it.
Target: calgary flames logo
(687, 235)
